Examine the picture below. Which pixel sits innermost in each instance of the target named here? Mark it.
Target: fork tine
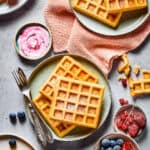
(16, 78)
(21, 72)
(22, 76)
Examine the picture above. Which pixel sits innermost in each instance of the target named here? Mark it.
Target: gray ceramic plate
(6, 9)
(21, 143)
(41, 73)
(128, 23)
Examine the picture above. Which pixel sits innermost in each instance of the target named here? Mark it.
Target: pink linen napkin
(69, 34)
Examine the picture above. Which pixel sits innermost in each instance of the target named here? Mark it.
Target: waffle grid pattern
(77, 102)
(97, 10)
(44, 105)
(115, 6)
(68, 68)
(141, 86)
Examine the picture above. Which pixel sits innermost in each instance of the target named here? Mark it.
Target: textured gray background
(11, 99)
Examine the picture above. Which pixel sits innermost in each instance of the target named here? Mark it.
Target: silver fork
(43, 133)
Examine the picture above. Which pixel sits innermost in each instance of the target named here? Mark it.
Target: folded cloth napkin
(69, 34)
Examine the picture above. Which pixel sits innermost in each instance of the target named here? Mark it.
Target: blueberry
(112, 143)
(117, 147)
(109, 148)
(119, 141)
(13, 118)
(105, 142)
(21, 116)
(12, 142)
(102, 148)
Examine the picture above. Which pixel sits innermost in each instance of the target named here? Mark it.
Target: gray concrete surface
(11, 98)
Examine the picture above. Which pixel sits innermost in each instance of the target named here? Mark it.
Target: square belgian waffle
(115, 6)
(69, 68)
(140, 86)
(77, 102)
(43, 105)
(97, 9)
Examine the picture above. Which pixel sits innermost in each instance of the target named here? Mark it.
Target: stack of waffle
(70, 98)
(108, 11)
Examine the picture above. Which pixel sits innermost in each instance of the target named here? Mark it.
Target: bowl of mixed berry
(116, 141)
(131, 120)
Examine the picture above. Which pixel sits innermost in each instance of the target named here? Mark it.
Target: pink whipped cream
(33, 41)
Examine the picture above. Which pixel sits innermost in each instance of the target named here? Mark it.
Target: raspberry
(127, 146)
(140, 119)
(125, 102)
(122, 101)
(124, 83)
(133, 129)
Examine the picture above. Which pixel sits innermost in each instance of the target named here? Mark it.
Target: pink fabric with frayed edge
(69, 34)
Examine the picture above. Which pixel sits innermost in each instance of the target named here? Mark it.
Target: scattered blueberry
(13, 118)
(105, 142)
(119, 141)
(12, 142)
(117, 147)
(21, 116)
(112, 143)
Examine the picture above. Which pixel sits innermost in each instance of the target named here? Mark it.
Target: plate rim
(3, 135)
(44, 62)
(14, 9)
(77, 14)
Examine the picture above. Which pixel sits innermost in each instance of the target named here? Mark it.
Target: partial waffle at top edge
(43, 105)
(70, 68)
(77, 102)
(115, 6)
(140, 86)
(97, 10)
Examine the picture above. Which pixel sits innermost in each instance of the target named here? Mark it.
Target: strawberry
(123, 117)
(119, 123)
(133, 129)
(124, 126)
(140, 119)
(130, 120)
(126, 113)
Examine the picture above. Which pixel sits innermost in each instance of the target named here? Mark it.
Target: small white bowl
(44, 52)
(128, 107)
(114, 136)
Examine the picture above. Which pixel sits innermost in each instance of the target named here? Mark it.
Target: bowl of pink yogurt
(33, 41)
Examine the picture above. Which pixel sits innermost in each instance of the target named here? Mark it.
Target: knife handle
(38, 127)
